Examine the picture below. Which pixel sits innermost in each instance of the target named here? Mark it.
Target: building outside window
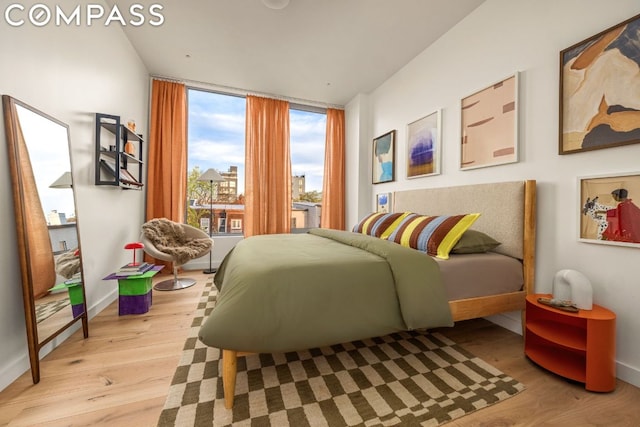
(236, 225)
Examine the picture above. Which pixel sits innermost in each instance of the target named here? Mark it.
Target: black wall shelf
(114, 166)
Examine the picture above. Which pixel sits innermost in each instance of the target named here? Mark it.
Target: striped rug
(409, 378)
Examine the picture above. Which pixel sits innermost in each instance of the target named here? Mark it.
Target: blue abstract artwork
(423, 146)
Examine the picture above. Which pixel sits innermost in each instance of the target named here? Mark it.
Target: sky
(216, 137)
(48, 147)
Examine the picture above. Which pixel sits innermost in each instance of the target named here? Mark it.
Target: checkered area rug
(47, 309)
(409, 378)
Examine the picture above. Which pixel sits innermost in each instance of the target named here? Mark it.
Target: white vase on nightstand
(571, 285)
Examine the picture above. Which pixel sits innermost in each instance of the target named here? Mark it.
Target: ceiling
(325, 51)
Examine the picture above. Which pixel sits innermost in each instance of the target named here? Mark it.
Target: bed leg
(229, 371)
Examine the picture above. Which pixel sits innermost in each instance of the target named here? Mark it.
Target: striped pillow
(435, 235)
(379, 224)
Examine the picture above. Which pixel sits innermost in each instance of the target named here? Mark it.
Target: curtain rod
(244, 92)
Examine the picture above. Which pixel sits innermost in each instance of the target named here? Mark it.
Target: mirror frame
(11, 130)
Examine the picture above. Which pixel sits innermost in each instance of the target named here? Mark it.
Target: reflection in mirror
(46, 224)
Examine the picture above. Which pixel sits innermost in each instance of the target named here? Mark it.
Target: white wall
(496, 40)
(70, 74)
(356, 154)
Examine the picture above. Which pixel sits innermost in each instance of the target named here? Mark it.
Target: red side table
(579, 346)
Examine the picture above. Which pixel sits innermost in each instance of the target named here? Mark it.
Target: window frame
(227, 184)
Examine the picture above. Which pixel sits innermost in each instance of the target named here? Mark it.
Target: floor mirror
(47, 225)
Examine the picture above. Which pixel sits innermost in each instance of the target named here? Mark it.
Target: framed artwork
(383, 202)
(423, 146)
(489, 125)
(608, 212)
(599, 90)
(384, 158)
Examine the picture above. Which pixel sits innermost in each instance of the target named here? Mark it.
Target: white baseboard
(102, 304)
(200, 265)
(13, 370)
(511, 321)
(628, 374)
(21, 364)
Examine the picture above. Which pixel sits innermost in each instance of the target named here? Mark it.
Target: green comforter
(291, 292)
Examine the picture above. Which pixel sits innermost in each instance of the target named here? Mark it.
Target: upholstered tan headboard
(506, 208)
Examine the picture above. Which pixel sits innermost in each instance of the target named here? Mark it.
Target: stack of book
(134, 269)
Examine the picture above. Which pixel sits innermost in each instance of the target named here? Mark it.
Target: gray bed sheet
(476, 275)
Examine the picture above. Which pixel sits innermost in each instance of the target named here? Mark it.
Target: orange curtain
(333, 213)
(167, 159)
(268, 167)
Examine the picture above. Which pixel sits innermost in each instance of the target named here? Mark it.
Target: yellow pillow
(379, 224)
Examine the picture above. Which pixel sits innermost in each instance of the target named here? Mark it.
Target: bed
(508, 213)
(282, 293)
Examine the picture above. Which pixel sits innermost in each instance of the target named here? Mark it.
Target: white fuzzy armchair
(178, 243)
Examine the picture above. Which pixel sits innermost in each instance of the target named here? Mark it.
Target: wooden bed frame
(508, 213)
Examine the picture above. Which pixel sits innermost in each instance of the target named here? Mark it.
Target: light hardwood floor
(120, 375)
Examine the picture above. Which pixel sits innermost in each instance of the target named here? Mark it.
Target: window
(307, 139)
(236, 224)
(216, 127)
(215, 140)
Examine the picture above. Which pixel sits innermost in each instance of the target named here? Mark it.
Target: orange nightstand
(580, 346)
